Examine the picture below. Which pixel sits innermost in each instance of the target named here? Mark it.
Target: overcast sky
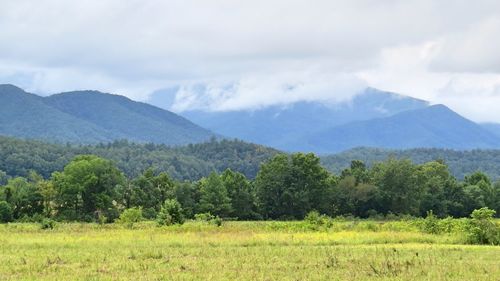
(254, 53)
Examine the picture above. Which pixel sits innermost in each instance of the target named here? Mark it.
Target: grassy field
(241, 251)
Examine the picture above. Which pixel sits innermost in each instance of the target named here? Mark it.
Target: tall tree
(241, 195)
(290, 186)
(213, 196)
(87, 186)
(397, 182)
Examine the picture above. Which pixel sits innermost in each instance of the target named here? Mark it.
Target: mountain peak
(9, 88)
(90, 117)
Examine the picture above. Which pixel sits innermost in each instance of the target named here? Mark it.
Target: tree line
(286, 187)
(191, 162)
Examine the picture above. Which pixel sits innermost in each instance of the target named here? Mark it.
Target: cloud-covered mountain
(281, 126)
(373, 118)
(90, 117)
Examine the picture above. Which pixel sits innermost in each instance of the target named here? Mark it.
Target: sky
(228, 55)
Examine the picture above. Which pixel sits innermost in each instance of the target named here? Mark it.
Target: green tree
(479, 191)
(88, 185)
(398, 185)
(5, 212)
(241, 195)
(434, 180)
(213, 196)
(291, 186)
(170, 213)
(23, 196)
(188, 195)
(150, 191)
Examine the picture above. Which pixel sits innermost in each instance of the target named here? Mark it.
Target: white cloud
(262, 49)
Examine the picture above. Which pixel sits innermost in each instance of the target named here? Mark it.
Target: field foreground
(239, 251)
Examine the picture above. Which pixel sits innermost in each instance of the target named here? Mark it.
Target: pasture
(345, 250)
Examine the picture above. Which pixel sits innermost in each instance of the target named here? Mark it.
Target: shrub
(482, 229)
(5, 212)
(217, 221)
(170, 213)
(206, 217)
(431, 224)
(316, 220)
(131, 216)
(47, 223)
(209, 218)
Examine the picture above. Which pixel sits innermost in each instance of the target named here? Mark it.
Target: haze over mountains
(372, 118)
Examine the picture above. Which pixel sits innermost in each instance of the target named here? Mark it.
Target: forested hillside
(90, 117)
(460, 163)
(191, 162)
(18, 157)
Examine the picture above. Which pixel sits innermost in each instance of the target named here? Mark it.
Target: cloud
(249, 54)
(261, 90)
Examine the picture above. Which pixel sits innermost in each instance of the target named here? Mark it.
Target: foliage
(213, 196)
(170, 213)
(87, 186)
(5, 212)
(289, 186)
(316, 220)
(131, 216)
(460, 163)
(47, 223)
(481, 229)
(190, 162)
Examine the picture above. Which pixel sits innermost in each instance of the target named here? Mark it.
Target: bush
(209, 218)
(131, 216)
(5, 212)
(316, 220)
(431, 224)
(206, 217)
(170, 213)
(217, 221)
(47, 223)
(482, 229)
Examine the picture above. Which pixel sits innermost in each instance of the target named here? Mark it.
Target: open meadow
(343, 250)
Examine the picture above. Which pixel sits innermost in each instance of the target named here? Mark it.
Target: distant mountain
(435, 126)
(91, 117)
(493, 128)
(281, 125)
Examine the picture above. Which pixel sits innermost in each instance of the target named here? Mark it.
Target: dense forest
(460, 162)
(192, 162)
(92, 188)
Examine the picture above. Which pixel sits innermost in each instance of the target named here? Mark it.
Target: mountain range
(372, 118)
(91, 117)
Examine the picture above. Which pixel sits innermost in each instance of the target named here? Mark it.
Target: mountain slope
(436, 126)
(130, 120)
(493, 128)
(279, 125)
(91, 117)
(26, 115)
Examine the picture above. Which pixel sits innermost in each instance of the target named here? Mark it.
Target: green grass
(347, 250)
